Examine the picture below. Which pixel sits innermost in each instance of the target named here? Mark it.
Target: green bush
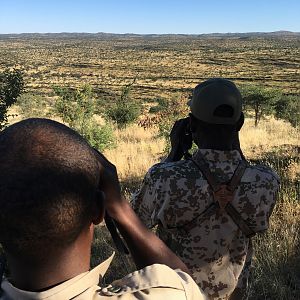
(162, 104)
(123, 114)
(76, 107)
(125, 111)
(31, 105)
(99, 137)
(288, 108)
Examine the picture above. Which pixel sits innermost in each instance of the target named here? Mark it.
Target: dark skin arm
(145, 247)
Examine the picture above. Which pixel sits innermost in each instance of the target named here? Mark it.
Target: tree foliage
(76, 107)
(259, 99)
(125, 111)
(11, 86)
(32, 105)
(288, 108)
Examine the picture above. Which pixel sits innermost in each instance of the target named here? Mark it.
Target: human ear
(99, 209)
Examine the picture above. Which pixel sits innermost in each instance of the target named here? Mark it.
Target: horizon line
(132, 33)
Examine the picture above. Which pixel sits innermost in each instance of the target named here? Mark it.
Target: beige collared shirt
(157, 282)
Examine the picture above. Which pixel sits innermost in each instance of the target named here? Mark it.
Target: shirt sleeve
(267, 204)
(157, 282)
(192, 290)
(144, 201)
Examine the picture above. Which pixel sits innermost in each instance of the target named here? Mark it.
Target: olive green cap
(211, 97)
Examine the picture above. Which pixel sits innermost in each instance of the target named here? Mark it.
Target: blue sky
(153, 16)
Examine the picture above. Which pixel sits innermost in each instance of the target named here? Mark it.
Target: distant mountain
(103, 35)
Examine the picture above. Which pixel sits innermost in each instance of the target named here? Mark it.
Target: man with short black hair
(54, 188)
(209, 205)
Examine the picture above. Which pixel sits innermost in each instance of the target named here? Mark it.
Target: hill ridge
(104, 35)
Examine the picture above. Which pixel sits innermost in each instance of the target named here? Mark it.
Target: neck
(220, 142)
(52, 270)
(216, 145)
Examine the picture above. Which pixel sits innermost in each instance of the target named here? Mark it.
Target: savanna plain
(160, 69)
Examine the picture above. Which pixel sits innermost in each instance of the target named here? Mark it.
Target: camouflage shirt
(176, 196)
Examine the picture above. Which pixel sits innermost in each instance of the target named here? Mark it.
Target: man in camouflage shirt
(208, 206)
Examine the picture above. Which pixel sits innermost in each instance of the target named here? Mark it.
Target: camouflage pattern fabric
(176, 197)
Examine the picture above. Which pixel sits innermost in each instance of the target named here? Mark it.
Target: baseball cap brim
(213, 94)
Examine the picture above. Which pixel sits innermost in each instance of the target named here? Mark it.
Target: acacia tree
(259, 99)
(11, 86)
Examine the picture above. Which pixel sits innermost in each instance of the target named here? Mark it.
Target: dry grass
(137, 150)
(276, 263)
(269, 134)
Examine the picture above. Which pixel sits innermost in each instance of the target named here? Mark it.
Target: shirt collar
(65, 290)
(218, 155)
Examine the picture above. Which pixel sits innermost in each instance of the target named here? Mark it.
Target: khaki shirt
(176, 197)
(155, 282)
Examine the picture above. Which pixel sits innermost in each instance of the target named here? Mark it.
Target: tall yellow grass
(269, 134)
(138, 149)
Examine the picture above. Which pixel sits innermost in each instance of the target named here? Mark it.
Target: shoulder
(171, 169)
(154, 282)
(261, 173)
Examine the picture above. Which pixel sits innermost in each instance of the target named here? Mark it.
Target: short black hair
(48, 182)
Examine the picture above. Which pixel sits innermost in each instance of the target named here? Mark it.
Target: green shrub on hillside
(76, 107)
(288, 108)
(31, 105)
(125, 111)
(100, 137)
